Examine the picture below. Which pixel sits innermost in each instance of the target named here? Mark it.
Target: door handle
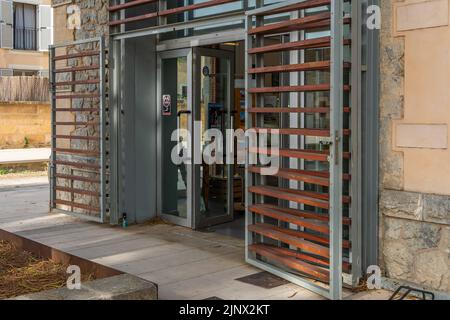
(179, 113)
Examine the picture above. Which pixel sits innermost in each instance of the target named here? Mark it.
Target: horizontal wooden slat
(76, 123)
(78, 191)
(296, 7)
(289, 27)
(79, 165)
(303, 213)
(76, 178)
(195, 6)
(78, 96)
(129, 4)
(77, 82)
(346, 267)
(293, 110)
(299, 131)
(303, 88)
(309, 66)
(300, 196)
(288, 261)
(299, 23)
(297, 196)
(312, 155)
(75, 69)
(297, 175)
(297, 219)
(76, 151)
(325, 240)
(63, 136)
(295, 131)
(296, 45)
(162, 13)
(77, 205)
(269, 232)
(76, 110)
(301, 67)
(134, 19)
(77, 55)
(293, 153)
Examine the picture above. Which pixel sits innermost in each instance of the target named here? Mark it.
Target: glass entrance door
(174, 134)
(213, 105)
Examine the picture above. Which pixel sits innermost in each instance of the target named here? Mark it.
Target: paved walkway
(185, 264)
(28, 155)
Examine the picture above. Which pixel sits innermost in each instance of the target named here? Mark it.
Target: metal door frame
(188, 221)
(103, 129)
(334, 290)
(198, 52)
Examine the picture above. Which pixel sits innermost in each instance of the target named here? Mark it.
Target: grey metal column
(355, 146)
(103, 128)
(370, 140)
(336, 122)
(53, 129)
(114, 66)
(248, 125)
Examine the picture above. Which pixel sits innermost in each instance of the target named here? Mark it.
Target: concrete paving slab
(185, 264)
(26, 155)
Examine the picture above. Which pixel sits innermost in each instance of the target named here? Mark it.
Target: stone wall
(414, 217)
(24, 124)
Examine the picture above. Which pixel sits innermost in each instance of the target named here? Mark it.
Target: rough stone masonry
(414, 227)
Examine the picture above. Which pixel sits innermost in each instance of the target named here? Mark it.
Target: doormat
(264, 280)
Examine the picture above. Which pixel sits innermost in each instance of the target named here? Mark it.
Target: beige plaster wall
(24, 121)
(424, 25)
(10, 58)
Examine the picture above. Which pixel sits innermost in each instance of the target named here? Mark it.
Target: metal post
(52, 166)
(102, 120)
(355, 123)
(335, 160)
(248, 125)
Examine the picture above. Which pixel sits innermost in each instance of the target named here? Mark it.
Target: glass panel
(175, 177)
(214, 102)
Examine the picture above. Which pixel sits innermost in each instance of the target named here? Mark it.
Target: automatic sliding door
(213, 101)
(174, 75)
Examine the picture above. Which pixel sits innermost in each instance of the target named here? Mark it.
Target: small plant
(26, 142)
(3, 171)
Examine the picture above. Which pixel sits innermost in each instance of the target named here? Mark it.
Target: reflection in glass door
(175, 177)
(213, 102)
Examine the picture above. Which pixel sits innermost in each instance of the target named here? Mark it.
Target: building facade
(360, 114)
(25, 34)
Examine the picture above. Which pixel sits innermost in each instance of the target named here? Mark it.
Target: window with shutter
(24, 26)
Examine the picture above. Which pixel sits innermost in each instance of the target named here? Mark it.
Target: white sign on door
(166, 105)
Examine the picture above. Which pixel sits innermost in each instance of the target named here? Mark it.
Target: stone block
(432, 269)
(121, 287)
(401, 204)
(398, 259)
(436, 208)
